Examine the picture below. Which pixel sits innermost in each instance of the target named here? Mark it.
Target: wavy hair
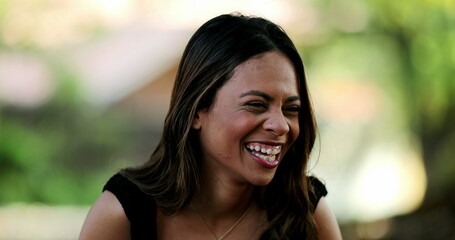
(172, 174)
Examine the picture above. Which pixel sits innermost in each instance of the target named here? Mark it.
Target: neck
(223, 204)
(220, 198)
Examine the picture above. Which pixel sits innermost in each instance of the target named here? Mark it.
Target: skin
(259, 105)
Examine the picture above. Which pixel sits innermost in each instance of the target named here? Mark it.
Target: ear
(197, 121)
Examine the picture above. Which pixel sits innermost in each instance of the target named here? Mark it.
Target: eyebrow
(266, 96)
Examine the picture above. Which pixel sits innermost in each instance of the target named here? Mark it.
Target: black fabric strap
(317, 192)
(139, 207)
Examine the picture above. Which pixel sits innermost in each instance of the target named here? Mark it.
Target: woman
(231, 163)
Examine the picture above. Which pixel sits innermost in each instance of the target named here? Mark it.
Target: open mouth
(266, 155)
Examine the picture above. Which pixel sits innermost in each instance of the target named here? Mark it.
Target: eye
(292, 109)
(256, 105)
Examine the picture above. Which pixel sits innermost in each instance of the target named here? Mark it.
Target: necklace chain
(229, 230)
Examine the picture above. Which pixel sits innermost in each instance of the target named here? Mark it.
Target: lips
(264, 154)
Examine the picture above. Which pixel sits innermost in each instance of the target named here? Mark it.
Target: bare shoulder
(326, 222)
(106, 220)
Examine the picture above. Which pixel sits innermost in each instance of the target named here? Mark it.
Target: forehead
(270, 71)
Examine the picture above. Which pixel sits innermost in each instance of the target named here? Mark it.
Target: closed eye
(256, 105)
(293, 109)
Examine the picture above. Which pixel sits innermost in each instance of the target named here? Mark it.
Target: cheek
(294, 129)
(242, 125)
(229, 126)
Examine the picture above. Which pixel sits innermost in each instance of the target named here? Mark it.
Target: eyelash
(295, 109)
(256, 104)
(263, 106)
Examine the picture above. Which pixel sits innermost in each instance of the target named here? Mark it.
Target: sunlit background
(85, 85)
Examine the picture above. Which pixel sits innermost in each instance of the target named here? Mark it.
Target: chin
(262, 180)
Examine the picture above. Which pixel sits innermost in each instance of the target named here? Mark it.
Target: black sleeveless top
(140, 208)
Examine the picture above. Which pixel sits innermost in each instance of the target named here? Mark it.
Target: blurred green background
(85, 85)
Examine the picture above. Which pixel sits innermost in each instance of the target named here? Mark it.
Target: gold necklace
(229, 230)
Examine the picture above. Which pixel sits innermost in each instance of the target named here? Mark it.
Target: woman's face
(253, 121)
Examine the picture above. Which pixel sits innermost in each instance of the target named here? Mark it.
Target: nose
(276, 123)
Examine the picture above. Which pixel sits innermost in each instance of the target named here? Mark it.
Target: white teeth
(266, 158)
(268, 151)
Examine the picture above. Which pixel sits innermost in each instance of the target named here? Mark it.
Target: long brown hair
(172, 174)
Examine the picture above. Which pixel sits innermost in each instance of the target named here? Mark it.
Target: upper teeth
(269, 151)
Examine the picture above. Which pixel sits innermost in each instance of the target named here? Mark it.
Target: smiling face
(253, 121)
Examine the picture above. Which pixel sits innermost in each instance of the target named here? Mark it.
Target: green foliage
(425, 31)
(63, 151)
(59, 153)
(407, 50)
(3, 6)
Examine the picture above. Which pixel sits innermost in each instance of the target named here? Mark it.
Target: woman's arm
(326, 222)
(106, 220)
